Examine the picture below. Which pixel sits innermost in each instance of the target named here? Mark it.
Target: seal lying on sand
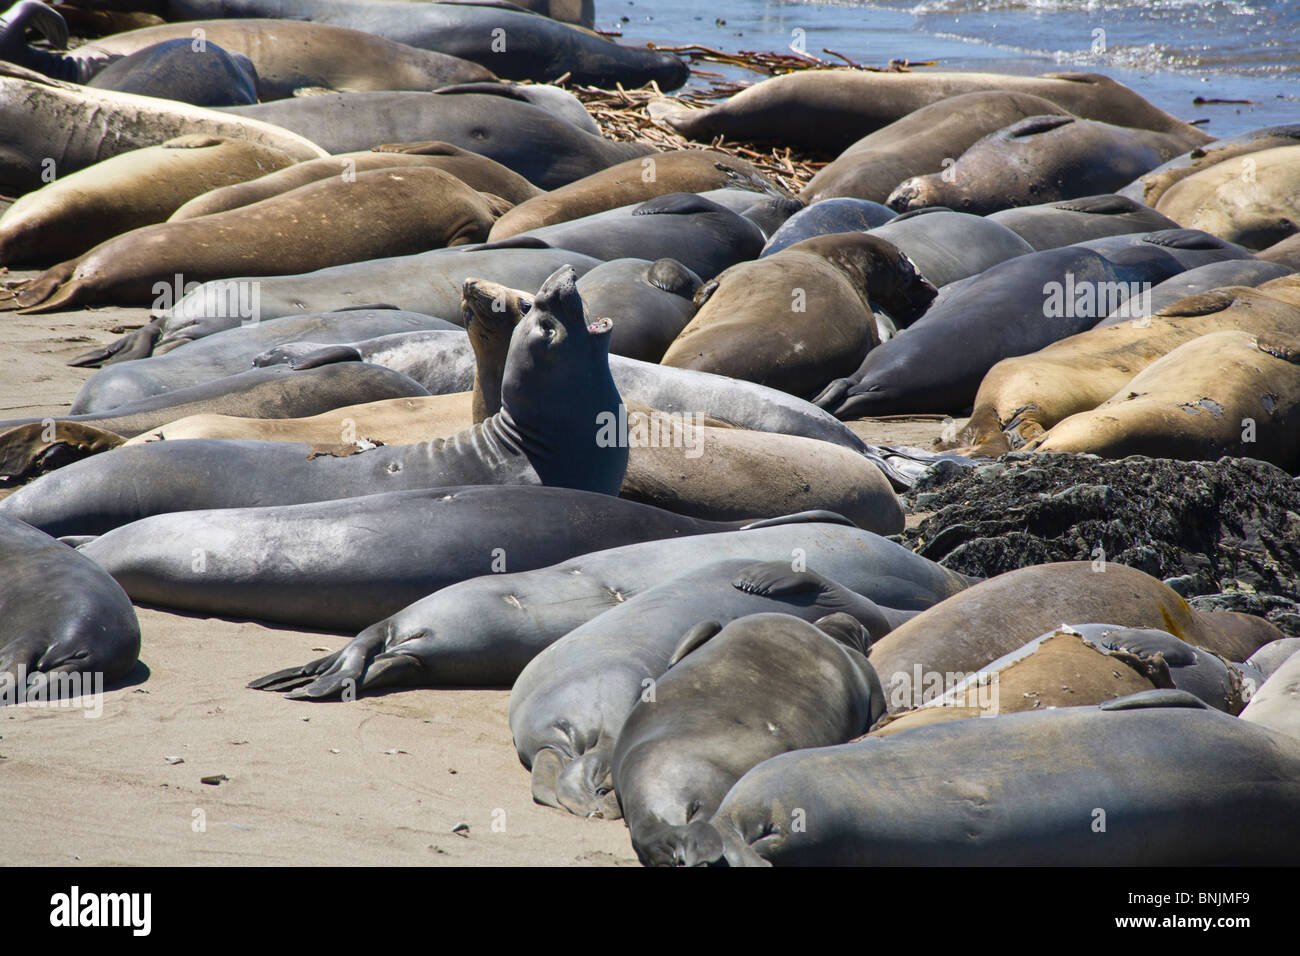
(483, 631)
(60, 615)
(1153, 779)
(794, 685)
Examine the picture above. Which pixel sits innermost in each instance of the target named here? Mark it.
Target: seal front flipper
(696, 637)
(134, 345)
(777, 578)
(326, 356)
(304, 355)
(1155, 698)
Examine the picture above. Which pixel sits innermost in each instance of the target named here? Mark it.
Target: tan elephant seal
(1252, 200)
(634, 181)
(477, 172)
(385, 212)
(966, 632)
(1022, 397)
(1228, 393)
(76, 212)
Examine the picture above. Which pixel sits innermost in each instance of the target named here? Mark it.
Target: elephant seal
(1036, 160)
(797, 685)
(384, 212)
(1215, 275)
(1149, 187)
(926, 140)
(1286, 252)
(828, 284)
(79, 211)
(832, 109)
(1072, 666)
(545, 150)
(1014, 308)
(1023, 396)
(569, 703)
(1075, 786)
(1227, 393)
(701, 234)
(63, 616)
(74, 127)
(429, 283)
(287, 55)
(1276, 704)
(967, 631)
(233, 351)
(535, 438)
(514, 44)
(477, 172)
(175, 70)
(633, 181)
(556, 101)
(343, 565)
(825, 217)
(1249, 200)
(1056, 224)
(483, 631)
(650, 303)
(947, 246)
(28, 445)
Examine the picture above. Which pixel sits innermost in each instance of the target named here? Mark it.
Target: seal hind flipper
(1155, 698)
(799, 517)
(134, 345)
(696, 637)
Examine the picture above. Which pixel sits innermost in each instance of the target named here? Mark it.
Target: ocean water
(1171, 51)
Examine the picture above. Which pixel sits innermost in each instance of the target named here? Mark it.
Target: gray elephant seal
(650, 303)
(546, 150)
(947, 246)
(1150, 186)
(1042, 158)
(63, 618)
(175, 70)
(568, 705)
(1113, 785)
(1276, 704)
(483, 631)
(796, 686)
(555, 387)
(1056, 224)
(343, 565)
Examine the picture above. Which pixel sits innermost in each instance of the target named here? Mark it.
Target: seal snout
(908, 195)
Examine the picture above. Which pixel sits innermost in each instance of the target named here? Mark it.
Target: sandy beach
(382, 780)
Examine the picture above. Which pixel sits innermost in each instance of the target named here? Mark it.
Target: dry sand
(382, 780)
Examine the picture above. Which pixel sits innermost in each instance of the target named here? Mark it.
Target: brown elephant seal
(1149, 187)
(924, 141)
(77, 212)
(800, 317)
(385, 212)
(634, 181)
(1073, 666)
(52, 125)
(832, 109)
(1227, 393)
(1023, 396)
(966, 632)
(293, 54)
(1251, 200)
(793, 684)
(1036, 160)
(476, 172)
